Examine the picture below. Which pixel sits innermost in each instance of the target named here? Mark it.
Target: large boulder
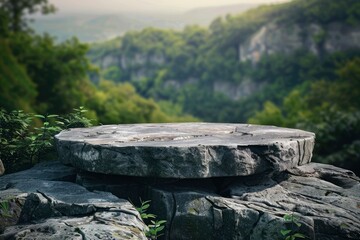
(324, 198)
(186, 150)
(52, 209)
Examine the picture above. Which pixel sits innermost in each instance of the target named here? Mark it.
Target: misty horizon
(69, 7)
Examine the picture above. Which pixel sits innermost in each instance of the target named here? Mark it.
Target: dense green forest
(42, 76)
(156, 75)
(312, 90)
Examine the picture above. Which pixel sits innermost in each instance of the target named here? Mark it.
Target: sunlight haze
(101, 6)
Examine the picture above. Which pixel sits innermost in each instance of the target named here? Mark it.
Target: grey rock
(2, 168)
(50, 170)
(273, 38)
(324, 198)
(103, 225)
(187, 150)
(236, 91)
(56, 209)
(248, 202)
(14, 187)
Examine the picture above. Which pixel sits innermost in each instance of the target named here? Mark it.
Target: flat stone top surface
(184, 150)
(181, 134)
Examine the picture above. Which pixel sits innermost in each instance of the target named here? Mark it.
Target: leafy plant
(41, 141)
(155, 226)
(22, 144)
(76, 119)
(143, 208)
(14, 132)
(5, 209)
(292, 232)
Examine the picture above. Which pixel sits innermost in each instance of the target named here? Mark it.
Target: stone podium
(185, 150)
(207, 180)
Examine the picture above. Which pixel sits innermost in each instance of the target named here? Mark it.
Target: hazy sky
(101, 6)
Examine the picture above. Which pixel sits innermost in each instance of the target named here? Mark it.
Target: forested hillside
(39, 75)
(294, 64)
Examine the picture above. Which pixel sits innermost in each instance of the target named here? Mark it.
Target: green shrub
(155, 226)
(292, 230)
(22, 143)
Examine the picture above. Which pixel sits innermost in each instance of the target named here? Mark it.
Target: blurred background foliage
(319, 93)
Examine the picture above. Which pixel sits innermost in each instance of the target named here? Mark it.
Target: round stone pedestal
(184, 150)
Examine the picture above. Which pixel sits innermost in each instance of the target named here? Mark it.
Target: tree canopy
(17, 12)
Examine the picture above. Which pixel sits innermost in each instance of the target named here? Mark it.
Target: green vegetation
(22, 145)
(16, 12)
(5, 208)
(330, 108)
(292, 232)
(155, 226)
(17, 90)
(39, 75)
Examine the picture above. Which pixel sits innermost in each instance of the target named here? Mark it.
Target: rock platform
(185, 150)
(208, 181)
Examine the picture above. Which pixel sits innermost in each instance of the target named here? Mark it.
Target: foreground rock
(191, 150)
(48, 209)
(208, 181)
(2, 169)
(326, 200)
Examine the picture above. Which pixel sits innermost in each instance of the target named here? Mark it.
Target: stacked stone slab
(190, 150)
(208, 181)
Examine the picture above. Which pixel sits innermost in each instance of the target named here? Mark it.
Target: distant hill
(204, 16)
(245, 59)
(97, 27)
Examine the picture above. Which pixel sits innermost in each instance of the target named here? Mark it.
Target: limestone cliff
(285, 39)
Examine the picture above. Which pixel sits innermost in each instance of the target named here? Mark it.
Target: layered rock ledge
(42, 204)
(185, 150)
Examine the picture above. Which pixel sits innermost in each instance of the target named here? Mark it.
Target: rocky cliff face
(285, 39)
(272, 38)
(237, 91)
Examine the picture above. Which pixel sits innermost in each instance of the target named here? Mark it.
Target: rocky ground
(54, 201)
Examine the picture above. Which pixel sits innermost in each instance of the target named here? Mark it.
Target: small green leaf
(160, 228)
(145, 202)
(285, 232)
(288, 217)
(161, 222)
(299, 235)
(39, 116)
(298, 224)
(146, 206)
